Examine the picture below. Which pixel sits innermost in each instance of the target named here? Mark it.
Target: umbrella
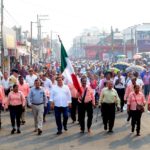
(121, 65)
(135, 68)
(121, 56)
(116, 70)
(137, 56)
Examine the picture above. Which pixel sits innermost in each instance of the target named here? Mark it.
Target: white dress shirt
(120, 85)
(61, 96)
(5, 84)
(30, 80)
(47, 83)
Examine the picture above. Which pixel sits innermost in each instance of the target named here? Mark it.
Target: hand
(70, 105)
(118, 108)
(52, 106)
(125, 101)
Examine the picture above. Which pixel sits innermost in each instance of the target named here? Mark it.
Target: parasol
(121, 65)
(135, 68)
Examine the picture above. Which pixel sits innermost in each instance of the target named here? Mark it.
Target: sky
(69, 18)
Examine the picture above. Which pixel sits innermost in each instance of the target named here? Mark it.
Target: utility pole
(39, 19)
(112, 43)
(31, 47)
(2, 44)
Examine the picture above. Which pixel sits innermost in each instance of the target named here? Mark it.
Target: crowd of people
(45, 89)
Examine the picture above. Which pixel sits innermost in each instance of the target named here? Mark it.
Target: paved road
(121, 139)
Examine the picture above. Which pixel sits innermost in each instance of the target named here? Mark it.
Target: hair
(83, 77)
(15, 85)
(20, 77)
(136, 86)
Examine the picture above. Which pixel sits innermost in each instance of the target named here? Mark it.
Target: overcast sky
(70, 17)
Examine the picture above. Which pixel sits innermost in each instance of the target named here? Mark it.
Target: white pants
(38, 111)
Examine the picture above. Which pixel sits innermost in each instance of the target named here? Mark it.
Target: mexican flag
(67, 69)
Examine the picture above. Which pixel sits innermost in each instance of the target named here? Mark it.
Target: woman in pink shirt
(2, 95)
(136, 98)
(16, 101)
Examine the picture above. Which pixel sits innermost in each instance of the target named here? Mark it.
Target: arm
(101, 97)
(30, 98)
(23, 99)
(93, 97)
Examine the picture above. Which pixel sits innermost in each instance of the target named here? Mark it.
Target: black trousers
(82, 109)
(108, 114)
(136, 119)
(74, 108)
(121, 93)
(15, 115)
(0, 114)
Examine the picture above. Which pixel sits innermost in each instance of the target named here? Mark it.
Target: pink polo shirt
(2, 95)
(16, 99)
(24, 89)
(135, 99)
(89, 95)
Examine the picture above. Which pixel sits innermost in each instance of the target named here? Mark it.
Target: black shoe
(132, 130)
(110, 131)
(105, 127)
(23, 122)
(39, 131)
(128, 119)
(82, 131)
(18, 131)
(138, 134)
(59, 133)
(13, 131)
(65, 128)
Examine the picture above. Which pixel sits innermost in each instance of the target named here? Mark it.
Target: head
(59, 80)
(136, 89)
(15, 88)
(21, 80)
(30, 71)
(136, 74)
(15, 72)
(110, 84)
(133, 80)
(37, 83)
(83, 81)
(5, 75)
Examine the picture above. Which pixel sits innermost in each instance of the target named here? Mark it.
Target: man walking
(109, 99)
(61, 99)
(86, 103)
(37, 100)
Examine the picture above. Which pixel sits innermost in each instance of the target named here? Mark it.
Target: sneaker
(18, 131)
(39, 131)
(13, 131)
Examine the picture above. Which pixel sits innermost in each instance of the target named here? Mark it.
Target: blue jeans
(58, 112)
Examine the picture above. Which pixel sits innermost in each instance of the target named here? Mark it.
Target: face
(37, 83)
(21, 79)
(15, 89)
(5, 75)
(84, 80)
(137, 89)
(110, 85)
(133, 81)
(60, 81)
(31, 72)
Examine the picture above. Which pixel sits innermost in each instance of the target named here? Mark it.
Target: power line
(8, 13)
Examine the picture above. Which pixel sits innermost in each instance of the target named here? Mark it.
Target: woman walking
(16, 101)
(136, 103)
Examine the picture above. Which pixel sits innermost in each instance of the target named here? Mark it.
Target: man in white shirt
(5, 83)
(60, 100)
(119, 85)
(48, 85)
(31, 78)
